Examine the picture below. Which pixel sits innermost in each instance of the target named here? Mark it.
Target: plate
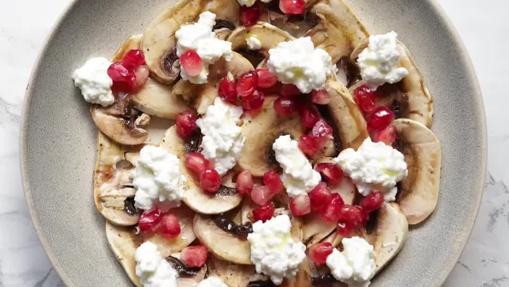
(58, 138)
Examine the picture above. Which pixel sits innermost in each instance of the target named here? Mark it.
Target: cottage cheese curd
(93, 80)
(355, 264)
(380, 61)
(374, 166)
(212, 281)
(157, 178)
(222, 138)
(152, 269)
(273, 250)
(253, 43)
(200, 37)
(298, 62)
(298, 177)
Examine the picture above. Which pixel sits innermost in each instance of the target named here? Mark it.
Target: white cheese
(222, 137)
(374, 166)
(380, 61)
(93, 80)
(152, 269)
(247, 3)
(298, 62)
(200, 37)
(212, 281)
(298, 177)
(157, 178)
(253, 43)
(273, 250)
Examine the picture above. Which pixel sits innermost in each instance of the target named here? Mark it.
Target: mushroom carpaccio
(260, 143)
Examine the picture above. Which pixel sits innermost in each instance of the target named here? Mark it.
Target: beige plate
(58, 138)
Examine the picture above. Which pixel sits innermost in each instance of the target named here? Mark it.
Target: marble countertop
(485, 262)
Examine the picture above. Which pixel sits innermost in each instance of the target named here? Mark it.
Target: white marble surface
(485, 262)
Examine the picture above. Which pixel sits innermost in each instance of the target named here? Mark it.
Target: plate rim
(449, 28)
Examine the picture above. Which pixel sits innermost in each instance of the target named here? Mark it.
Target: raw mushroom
(222, 244)
(303, 277)
(231, 274)
(194, 197)
(419, 190)
(268, 35)
(185, 280)
(132, 43)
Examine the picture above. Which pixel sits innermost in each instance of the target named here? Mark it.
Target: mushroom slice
(346, 116)
(222, 244)
(260, 133)
(131, 43)
(225, 10)
(158, 100)
(419, 190)
(194, 197)
(268, 35)
(122, 131)
(231, 274)
(113, 193)
(303, 278)
(185, 280)
(339, 31)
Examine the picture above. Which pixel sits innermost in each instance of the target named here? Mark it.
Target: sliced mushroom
(158, 100)
(268, 35)
(419, 190)
(346, 116)
(122, 131)
(131, 43)
(260, 133)
(231, 274)
(194, 197)
(303, 278)
(224, 245)
(188, 276)
(225, 10)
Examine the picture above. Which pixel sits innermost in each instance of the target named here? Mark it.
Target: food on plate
(246, 143)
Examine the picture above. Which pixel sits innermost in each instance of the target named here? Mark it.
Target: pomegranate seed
(289, 90)
(254, 102)
(186, 124)
(322, 129)
(194, 256)
(292, 7)
(134, 59)
(300, 205)
(249, 15)
(261, 195)
(244, 182)
(352, 215)
(169, 226)
(330, 172)
(320, 197)
(308, 115)
(380, 119)
(309, 145)
(319, 252)
(197, 163)
(227, 90)
(266, 79)
(141, 74)
(149, 220)
(387, 135)
(124, 80)
(372, 201)
(191, 63)
(273, 182)
(247, 83)
(344, 229)
(320, 97)
(284, 107)
(365, 99)
(210, 181)
(264, 213)
(331, 212)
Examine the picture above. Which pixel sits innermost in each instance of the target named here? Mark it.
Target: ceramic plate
(58, 138)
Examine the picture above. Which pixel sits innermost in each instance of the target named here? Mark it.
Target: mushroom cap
(231, 274)
(116, 128)
(268, 35)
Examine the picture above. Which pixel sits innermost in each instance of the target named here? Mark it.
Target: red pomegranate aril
(365, 99)
(191, 63)
(387, 135)
(149, 220)
(194, 256)
(266, 79)
(320, 97)
(134, 59)
(264, 213)
(141, 74)
(186, 124)
(124, 80)
(228, 91)
(320, 197)
(210, 181)
(308, 115)
(372, 201)
(330, 172)
(284, 106)
(169, 226)
(380, 118)
(300, 205)
(292, 7)
(272, 181)
(289, 90)
(261, 195)
(244, 182)
(309, 145)
(319, 252)
(321, 129)
(197, 163)
(254, 102)
(246, 84)
(331, 211)
(352, 215)
(249, 15)
(344, 229)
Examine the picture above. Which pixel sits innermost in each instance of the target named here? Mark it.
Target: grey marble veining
(485, 262)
